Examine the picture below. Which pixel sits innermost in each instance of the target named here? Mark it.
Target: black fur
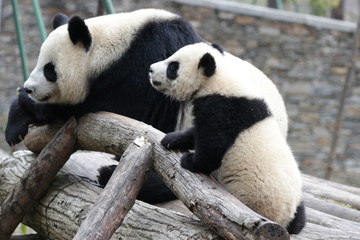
(59, 19)
(152, 191)
(49, 72)
(207, 62)
(180, 140)
(218, 121)
(299, 221)
(171, 71)
(218, 47)
(123, 88)
(79, 32)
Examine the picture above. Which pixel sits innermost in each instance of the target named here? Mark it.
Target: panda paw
(18, 122)
(105, 174)
(178, 141)
(25, 100)
(188, 162)
(15, 133)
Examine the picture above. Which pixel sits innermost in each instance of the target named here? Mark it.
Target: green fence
(109, 8)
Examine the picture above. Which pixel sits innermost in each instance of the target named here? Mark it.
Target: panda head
(186, 71)
(60, 75)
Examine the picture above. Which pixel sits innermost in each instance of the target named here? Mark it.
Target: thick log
(119, 194)
(36, 179)
(112, 133)
(107, 132)
(72, 194)
(326, 206)
(339, 196)
(318, 226)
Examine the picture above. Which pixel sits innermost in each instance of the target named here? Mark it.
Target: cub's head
(183, 74)
(60, 75)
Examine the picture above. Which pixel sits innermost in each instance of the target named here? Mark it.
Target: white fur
(111, 37)
(233, 77)
(259, 168)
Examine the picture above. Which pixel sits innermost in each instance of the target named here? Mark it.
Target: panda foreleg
(30, 105)
(43, 112)
(199, 162)
(18, 121)
(180, 140)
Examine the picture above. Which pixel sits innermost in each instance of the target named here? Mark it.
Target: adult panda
(236, 130)
(101, 64)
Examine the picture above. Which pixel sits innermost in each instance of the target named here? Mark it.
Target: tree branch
(112, 133)
(119, 194)
(36, 179)
(72, 194)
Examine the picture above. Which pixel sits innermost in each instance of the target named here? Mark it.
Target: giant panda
(236, 129)
(101, 64)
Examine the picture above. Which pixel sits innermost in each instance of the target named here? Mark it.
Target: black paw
(188, 162)
(105, 173)
(15, 133)
(180, 140)
(18, 123)
(171, 141)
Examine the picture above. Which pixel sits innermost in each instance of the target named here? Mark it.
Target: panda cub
(236, 130)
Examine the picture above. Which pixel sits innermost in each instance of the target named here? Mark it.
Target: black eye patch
(171, 71)
(49, 72)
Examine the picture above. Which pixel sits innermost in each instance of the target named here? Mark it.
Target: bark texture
(36, 179)
(119, 194)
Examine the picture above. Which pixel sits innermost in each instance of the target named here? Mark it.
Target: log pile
(332, 209)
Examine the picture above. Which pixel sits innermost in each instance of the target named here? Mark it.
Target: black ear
(208, 63)
(59, 19)
(79, 32)
(218, 47)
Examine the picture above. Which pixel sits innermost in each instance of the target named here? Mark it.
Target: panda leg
(299, 221)
(45, 113)
(180, 140)
(18, 121)
(152, 191)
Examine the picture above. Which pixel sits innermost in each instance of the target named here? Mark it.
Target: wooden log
(340, 196)
(112, 133)
(331, 221)
(39, 138)
(311, 231)
(314, 181)
(332, 208)
(36, 179)
(119, 194)
(72, 194)
(318, 232)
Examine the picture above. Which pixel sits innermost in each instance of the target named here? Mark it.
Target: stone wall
(306, 56)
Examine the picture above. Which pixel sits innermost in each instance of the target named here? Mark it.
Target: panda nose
(151, 70)
(28, 90)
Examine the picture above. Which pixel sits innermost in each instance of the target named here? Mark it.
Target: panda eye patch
(49, 72)
(171, 71)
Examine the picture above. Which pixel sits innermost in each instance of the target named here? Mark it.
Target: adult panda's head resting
(181, 75)
(60, 75)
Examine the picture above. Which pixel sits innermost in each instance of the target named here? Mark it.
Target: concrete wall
(306, 56)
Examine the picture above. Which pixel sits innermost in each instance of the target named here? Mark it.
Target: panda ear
(79, 32)
(207, 62)
(59, 19)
